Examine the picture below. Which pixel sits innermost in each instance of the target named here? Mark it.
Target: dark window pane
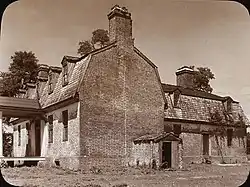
(229, 137)
(205, 144)
(65, 125)
(50, 129)
(177, 128)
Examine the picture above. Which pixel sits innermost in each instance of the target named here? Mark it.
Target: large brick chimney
(120, 25)
(185, 77)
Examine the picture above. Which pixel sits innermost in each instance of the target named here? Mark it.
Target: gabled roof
(168, 88)
(195, 106)
(76, 69)
(157, 137)
(60, 92)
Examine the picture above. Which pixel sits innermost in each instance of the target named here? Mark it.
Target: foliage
(202, 78)
(99, 36)
(120, 185)
(7, 144)
(84, 47)
(92, 185)
(22, 69)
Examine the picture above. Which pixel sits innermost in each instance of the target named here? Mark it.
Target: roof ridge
(144, 57)
(193, 92)
(83, 73)
(98, 50)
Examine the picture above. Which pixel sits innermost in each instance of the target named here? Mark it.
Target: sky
(204, 33)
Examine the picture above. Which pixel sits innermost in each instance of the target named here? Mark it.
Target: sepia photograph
(125, 93)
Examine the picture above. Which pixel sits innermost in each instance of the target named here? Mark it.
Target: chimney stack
(185, 77)
(43, 71)
(120, 25)
(31, 90)
(42, 77)
(53, 76)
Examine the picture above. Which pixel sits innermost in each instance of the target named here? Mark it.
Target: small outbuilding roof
(170, 136)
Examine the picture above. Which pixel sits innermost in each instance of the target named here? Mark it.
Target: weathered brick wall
(231, 154)
(144, 109)
(185, 79)
(102, 111)
(121, 100)
(192, 148)
(144, 153)
(67, 152)
(193, 143)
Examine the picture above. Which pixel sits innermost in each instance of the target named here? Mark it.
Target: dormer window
(50, 86)
(176, 97)
(65, 75)
(228, 104)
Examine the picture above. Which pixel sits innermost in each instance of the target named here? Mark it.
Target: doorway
(167, 154)
(205, 144)
(37, 138)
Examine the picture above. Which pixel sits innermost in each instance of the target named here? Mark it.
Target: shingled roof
(197, 106)
(60, 92)
(168, 88)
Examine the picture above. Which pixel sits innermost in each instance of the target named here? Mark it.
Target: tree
(99, 36)
(202, 78)
(22, 69)
(84, 47)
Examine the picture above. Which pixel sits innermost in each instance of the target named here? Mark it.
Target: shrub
(120, 185)
(95, 170)
(92, 185)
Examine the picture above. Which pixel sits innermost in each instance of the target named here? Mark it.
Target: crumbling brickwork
(119, 105)
(66, 152)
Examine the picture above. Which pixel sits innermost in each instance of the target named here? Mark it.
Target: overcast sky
(172, 34)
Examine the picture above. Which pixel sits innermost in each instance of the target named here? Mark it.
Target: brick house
(109, 107)
(211, 127)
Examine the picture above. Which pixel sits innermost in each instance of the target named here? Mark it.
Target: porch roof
(157, 137)
(19, 107)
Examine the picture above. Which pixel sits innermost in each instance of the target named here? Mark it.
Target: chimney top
(185, 76)
(119, 11)
(120, 26)
(43, 67)
(56, 69)
(185, 69)
(43, 70)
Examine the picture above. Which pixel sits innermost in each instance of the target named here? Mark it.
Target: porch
(24, 109)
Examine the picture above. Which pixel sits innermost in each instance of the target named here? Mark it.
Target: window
(176, 97)
(205, 144)
(229, 105)
(19, 134)
(65, 75)
(177, 128)
(50, 129)
(229, 137)
(167, 128)
(65, 125)
(50, 83)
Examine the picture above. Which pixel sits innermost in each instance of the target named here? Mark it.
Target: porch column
(180, 153)
(1, 134)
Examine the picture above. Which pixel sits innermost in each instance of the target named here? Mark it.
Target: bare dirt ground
(195, 175)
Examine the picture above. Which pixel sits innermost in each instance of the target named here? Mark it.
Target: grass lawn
(196, 175)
